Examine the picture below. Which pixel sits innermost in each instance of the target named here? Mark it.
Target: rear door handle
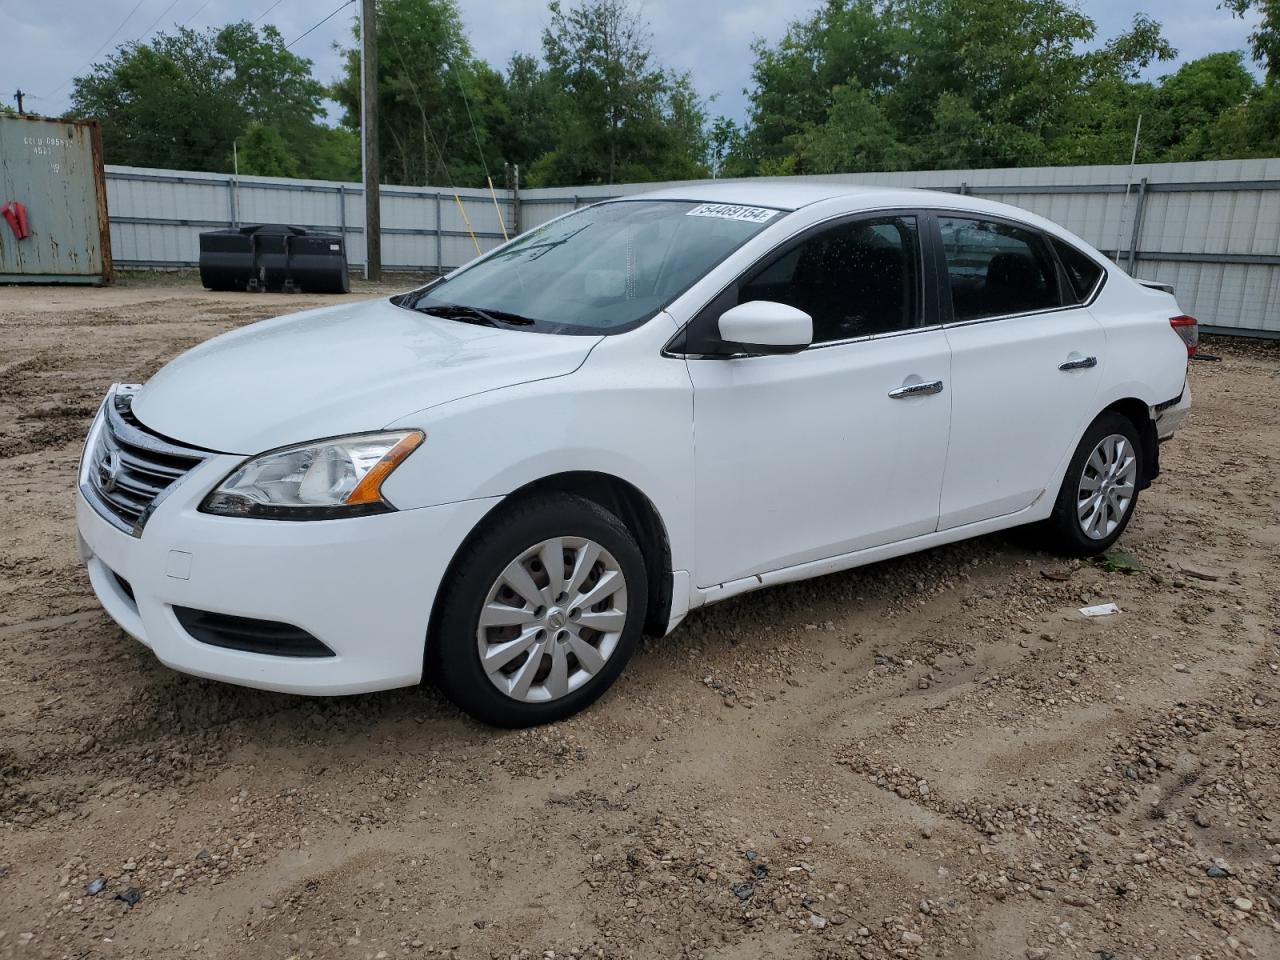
(1080, 363)
(926, 389)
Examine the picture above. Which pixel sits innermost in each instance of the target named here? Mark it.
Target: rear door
(823, 452)
(1025, 362)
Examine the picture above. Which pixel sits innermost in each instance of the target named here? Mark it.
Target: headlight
(315, 481)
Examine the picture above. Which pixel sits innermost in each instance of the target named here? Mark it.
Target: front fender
(632, 420)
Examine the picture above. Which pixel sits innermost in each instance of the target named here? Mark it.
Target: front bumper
(363, 586)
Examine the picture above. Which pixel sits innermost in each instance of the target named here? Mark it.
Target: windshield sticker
(732, 211)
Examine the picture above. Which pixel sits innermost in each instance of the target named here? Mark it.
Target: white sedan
(500, 480)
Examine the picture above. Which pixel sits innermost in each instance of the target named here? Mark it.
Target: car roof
(790, 195)
(783, 194)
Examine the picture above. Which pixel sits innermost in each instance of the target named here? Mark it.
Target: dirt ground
(935, 756)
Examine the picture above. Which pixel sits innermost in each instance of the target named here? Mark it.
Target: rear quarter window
(1083, 272)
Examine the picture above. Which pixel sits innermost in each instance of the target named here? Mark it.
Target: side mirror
(765, 327)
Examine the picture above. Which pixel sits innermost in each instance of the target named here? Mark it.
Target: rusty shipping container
(53, 202)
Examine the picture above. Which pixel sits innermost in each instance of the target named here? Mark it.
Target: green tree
(684, 132)
(182, 98)
(992, 82)
(164, 104)
(618, 115)
(724, 141)
(1190, 102)
(850, 43)
(1097, 126)
(869, 84)
(263, 152)
(274, 87)
(1250, 129)
(855, 134)
(335, 155)
(527, 130)
(1265, 39)
(430, 89)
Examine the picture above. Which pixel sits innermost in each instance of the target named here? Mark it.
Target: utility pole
(369, 138)
(18, 96)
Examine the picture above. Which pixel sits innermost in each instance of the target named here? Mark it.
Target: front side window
(856, 279)
(996, 269)
(604, 269)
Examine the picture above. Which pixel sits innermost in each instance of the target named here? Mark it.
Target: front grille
(252, 636)
(130, 468)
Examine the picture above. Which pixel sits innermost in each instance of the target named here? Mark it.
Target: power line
(427, 126)
(457, 75)
(199, 10)
(268, 10)
(421, 106)
(338, 10)
(95, 53)
(143, 35)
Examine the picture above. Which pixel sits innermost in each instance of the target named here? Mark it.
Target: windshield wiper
(468, 314)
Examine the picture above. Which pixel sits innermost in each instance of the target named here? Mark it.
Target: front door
(839, 447)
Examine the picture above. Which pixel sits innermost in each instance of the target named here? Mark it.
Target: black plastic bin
(273, 256)
(226, 260)
(318, 263)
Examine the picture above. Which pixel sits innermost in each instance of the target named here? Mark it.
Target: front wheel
(1100, 489)
(543, 609)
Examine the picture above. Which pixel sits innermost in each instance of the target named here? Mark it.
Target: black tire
(453, 656)
(1062, 532)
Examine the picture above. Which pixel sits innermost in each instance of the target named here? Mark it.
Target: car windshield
(604, 269)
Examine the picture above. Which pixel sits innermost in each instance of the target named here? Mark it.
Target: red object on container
(15, 214)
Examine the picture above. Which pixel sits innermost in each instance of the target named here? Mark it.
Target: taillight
(1188, 330)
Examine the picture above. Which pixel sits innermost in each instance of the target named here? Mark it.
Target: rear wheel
(1100, 489)
(542, 612)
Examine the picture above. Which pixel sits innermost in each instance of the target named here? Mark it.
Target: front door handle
(1080, 363)
(926, 389)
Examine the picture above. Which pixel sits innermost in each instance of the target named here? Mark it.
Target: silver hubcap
(552, 619)
(1106, 486)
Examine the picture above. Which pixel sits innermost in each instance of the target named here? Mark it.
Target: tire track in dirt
(725, 800)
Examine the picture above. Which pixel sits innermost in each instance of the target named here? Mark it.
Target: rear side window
(1083, 272)
(997, 269)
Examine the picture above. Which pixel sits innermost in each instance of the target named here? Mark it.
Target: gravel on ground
(936, 756)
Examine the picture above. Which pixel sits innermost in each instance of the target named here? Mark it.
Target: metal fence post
(364, 230)
(439, 238)
(515, 200)
(342, 216)
(1137, 224)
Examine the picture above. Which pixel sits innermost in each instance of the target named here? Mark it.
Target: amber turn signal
(369, 489)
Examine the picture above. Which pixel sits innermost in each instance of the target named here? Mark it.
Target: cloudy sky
(47, 43)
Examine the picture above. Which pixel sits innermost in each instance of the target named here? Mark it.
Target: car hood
(339, 370)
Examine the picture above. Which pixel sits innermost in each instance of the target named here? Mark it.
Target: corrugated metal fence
(157, 216)
(1212, 229)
